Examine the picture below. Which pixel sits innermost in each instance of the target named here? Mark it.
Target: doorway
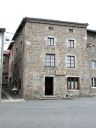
(48, 85)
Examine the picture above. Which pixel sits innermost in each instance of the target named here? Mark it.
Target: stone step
(50, 98)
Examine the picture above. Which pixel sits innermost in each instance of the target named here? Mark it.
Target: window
(70, 61)
(6, 77)
(50, 28)
(50, 60)
(93, 80)
(16, 49)
(50, 41)
(70, 44)
(93, 64)
(93, 49)
(71, 30)
(73, 83)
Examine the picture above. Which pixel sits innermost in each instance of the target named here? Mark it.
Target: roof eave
(90, 30)
(19, 27)
(55, 22)
(10, 45)
(48, 21)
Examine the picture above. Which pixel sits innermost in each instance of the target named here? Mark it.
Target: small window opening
(50, 28)
(71, 30)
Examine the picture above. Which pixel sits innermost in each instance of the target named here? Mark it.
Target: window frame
(70, 61)
(93, 49)
(93, 64)
(71, 43)
(50, 41)
(93, 82)
(50, 60)
(73, 83)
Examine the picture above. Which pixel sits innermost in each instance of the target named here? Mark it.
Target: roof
(54, 22)
(90, 30)
(46, 21)
(10, 45)
(5, 52)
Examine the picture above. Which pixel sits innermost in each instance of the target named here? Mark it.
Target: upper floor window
(93, 64)
(70, 43)
(70, 61)
(93, 49)
(50, 41)
(71, 30)
(50, 60)
(16, 49)
(50, 28)
(21, 42)
(93, 80)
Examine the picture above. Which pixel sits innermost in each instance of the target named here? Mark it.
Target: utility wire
(10, 32)
(14, 33)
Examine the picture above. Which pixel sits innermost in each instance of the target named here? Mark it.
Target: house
(5, 70)
(53, 59)
(2, 30)
(11, 66)
(91, 48)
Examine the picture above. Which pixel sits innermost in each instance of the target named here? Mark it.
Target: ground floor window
(93, 80)
(73, 83)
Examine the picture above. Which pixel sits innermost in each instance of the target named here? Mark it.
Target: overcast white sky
(12, 11)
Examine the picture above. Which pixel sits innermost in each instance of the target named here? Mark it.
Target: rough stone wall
(5, 68)
(92, 56)
(17, 77)
(35, 49)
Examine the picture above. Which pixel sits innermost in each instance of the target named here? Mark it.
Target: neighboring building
(53, 58)
(5, 70)
(91, 48)
(11, 65)
(2, 30)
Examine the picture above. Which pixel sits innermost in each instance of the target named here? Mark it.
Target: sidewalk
(12, 100)
(8, 98)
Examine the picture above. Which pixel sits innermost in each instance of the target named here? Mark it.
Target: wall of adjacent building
(16, 64)
(1, 56)
(92, 57)
(5, 70)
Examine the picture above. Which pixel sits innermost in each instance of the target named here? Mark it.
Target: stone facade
(51, 59)
(2, 32)
(5, 70)
(91, 48)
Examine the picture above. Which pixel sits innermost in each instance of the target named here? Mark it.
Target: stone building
(53, 59)
(2, 30)
(11, 65)
(91, 48)
(5, 70)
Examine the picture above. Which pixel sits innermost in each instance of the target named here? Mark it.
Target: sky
(12, 12)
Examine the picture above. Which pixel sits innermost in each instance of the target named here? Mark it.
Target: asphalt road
(75, 113)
